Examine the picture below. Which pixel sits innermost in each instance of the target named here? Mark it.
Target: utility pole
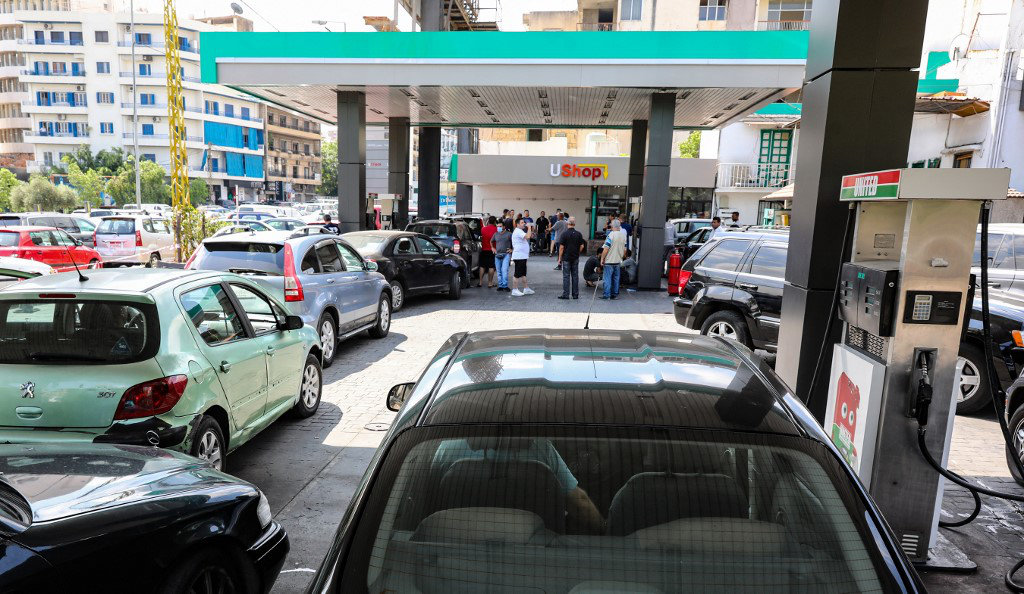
(135, 110)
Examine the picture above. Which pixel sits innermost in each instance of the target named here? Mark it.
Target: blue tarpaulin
(236, 167)
(253, 166)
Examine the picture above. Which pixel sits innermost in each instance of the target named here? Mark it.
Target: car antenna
(81, 277)
(586, 325)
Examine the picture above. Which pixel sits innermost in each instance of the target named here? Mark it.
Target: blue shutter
(236, 165)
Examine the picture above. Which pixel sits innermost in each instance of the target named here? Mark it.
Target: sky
(297, 15)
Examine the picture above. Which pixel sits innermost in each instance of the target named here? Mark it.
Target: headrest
(728, 536)
(481, 524)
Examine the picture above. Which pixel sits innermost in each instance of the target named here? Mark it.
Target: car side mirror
(291, 323)
(370, 266)
(398, 394)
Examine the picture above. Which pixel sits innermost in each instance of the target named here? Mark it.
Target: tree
(110, 161)
(40, 194)
(329, 169)
(82, 157)
(690, 148)
(154, 189)
(8, 182)
(89, 184)
(198, 191)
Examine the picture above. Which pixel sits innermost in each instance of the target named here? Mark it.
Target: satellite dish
(958, 47)
(236, 8)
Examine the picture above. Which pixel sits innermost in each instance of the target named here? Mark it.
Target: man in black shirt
(570, 247)
(332, 227)
(542, 232)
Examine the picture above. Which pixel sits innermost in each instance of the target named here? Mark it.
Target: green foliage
(39, 194)
(198, 191)
(89, 184)
(8, 181)
(154, 188)
(690, 148)
(191, 226)
(106, 162)
(329, 169)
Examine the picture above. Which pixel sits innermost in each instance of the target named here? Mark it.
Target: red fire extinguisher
(675, 263)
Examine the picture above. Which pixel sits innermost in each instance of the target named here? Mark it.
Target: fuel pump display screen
(933, 307)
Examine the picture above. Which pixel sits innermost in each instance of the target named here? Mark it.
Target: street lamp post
(135, 111)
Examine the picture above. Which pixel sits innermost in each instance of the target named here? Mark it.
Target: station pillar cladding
(398, 168)
(351, 160)
(858, 106)
(654, 208)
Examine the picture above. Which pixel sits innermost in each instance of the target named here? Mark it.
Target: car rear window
(441, 231)
(367, 243)
(79, 332)
(241, 256)
(725, 255)
(9, 239)
(591, 510)
(769, 261)
(116, 227)
(10, 221)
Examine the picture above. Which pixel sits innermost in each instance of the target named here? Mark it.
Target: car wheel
(1016, 426)
(93, 263)
(208, 571)
(208, 443)
(455, 286)
(975, 390)
(397, 295)
(383, 325)
(310, 388)
(328, 337)
(154, 260)
(726, 324)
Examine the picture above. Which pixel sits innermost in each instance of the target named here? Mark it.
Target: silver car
(320, 277)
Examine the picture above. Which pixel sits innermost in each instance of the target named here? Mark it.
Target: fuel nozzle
(924, 386)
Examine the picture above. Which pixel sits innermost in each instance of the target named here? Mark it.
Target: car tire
(383, 324)
(1016, 427)
(93, 263)
(311, 386)
(975, 389)
(208, 443)
(154, 260)
(726, 324)
(455, 286)
(397, 295)
(206, 566)
(327, 328)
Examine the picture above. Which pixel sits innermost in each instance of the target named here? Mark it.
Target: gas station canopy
(501, 79)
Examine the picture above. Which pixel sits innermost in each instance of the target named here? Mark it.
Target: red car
(48, 245)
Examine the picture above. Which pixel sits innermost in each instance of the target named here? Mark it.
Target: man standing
(735, 219)
(332, 227)
(626, 228)
(542, 232)
(557, 230)
(670, 239)
(569, 252)
(527, 217)
(520, 254)
(716, 225)
(611, 258)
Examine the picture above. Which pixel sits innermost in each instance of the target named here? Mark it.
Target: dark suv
(732, 287)
(454, 235)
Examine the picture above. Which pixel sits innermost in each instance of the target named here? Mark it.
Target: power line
(255, 12)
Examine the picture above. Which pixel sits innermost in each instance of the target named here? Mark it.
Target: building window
(102, 37)
(75, 38)
(145, 69)
(535, 135)
(295, 171)
(104, 97)
(60, 68)
(962, 160)
(270, 118)
(712, 10)
(147, 99)
(245, 113)
(106, 127)
(147, 129)
(789, 11)
(305, 172)
(48, 158)
(631, 10)
(56, 37)
(103, 67)
(143, 39)
(229, 110)
(305, 149)
(295, 148)
(149, 157)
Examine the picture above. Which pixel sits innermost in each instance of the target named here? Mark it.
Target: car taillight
(684, 277)
(138, 239)
(94, 238)
(456, 246)
(292, 286)
(191, 259)
(151, 398)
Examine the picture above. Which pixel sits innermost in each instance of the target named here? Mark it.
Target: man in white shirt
(716, 227)
(520, 254)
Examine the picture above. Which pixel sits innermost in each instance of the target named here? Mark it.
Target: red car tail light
(94, 238)
(684, 277)
(151, 398)
(138, 239)
(191, 259)
(456, 246)
(292, 286)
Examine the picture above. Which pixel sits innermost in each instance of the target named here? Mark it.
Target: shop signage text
(585, 170)
(877, 185)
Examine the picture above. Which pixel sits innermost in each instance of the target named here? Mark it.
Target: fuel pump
(904, 297)
(387, 210)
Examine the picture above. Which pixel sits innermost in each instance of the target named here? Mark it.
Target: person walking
(487, 252)
(611, 258)
(520, 254)
(569, 252)
(542, 232)
(501, 245)
(670, 240)
(557, 230)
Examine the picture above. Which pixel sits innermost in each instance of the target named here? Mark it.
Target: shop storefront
(589, 188)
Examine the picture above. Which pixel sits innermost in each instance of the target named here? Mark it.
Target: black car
(412, 263)
(693, 241)
(601, 461)
(118, 518)
(732, 287)
(454, 235)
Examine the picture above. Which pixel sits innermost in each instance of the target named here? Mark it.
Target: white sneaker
(516, 293)
(528, 291)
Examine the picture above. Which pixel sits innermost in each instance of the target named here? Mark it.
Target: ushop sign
(589, 171)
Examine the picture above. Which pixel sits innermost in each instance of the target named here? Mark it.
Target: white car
(13, 270)
(130, 239)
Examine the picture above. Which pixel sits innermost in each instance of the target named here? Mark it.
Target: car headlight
(263, 511)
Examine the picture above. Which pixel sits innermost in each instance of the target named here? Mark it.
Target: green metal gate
(773, 158)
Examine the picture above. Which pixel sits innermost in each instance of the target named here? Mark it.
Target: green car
(196, 361)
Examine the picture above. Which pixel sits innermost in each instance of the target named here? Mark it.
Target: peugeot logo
(28, 390)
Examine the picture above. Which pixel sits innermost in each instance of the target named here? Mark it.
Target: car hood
(60, 481)
(23, 267)
(1002, 303)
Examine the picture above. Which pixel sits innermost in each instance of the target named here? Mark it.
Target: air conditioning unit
(61, 117)
(127, 28)
(156, 120)
(147, 58)
(47, 26)
(80, 87)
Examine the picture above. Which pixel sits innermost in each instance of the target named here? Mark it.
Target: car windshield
(441, 231)
(116, 227)
(570, 509)
(9, 239)
(241, 256)
(367, 243)
(76, 332)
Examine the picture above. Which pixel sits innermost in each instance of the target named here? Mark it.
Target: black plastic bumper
(681, 309)
(268, 554)
(151, 432)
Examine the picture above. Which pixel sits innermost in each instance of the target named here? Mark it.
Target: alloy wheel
(970, 379)
(385, 315)
(1018, 440)
(212, 579)
(397, 296)
(310, 386)
(327, 340)
(209, 449)
(723, 329)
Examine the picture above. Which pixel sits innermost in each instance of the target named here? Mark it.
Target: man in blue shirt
(627, 229)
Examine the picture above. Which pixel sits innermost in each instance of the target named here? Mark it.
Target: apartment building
(68, 78)
(293, 155)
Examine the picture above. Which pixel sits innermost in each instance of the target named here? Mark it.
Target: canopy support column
(430, 173)
(398, 168)
(654, 209)
(351, 160)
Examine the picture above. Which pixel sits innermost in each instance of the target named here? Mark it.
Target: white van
(131, 239)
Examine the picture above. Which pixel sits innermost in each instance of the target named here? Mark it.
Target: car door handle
(994, 285)
(270, 351)
(330, 281)
(225, 366)
(747, 286)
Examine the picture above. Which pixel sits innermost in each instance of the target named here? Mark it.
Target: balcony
(236, 117)
(595, 26)
(56, 138)
(47, 46)
(48, 73)
(161, 78)
(783, 25)
(753, 176)
(187, 47)
(60, 107)
(161, 139)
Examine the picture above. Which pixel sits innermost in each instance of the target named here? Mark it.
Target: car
(456, 236)
(47, 245)
(251, 216)
(732, 287)
(320, 277)
(243, 227)
(73, 513)
(693, 241)
(475, 220)
(605, 461)
(1005, 267)
(688, 225)
(79, 227)
(133, 239)
(412, 263)
(282, 224)
(196, 361)
(152, 209)
(13, 270)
